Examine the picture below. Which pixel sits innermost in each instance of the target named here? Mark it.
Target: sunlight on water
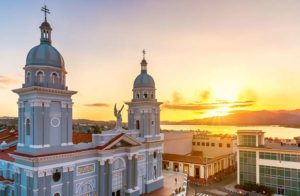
(270, 131)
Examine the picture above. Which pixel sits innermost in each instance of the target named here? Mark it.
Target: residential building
(194, 158)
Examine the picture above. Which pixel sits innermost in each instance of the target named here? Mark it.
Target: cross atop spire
(144, 53)
(46, 11)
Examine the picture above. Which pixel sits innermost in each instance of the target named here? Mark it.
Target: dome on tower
(45, 54)
(144, 80)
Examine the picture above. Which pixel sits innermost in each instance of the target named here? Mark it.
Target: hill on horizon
(263, 117)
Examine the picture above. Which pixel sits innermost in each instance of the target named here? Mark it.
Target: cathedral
(44, 161)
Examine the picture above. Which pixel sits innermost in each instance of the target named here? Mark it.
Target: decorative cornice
(35, 89)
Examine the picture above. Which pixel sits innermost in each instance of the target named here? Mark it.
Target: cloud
(97, 105)
(177, 97)
(4, 80)
(189, 106)
(204, 95)
(206, 106)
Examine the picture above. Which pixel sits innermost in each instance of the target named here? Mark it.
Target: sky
(207, 57)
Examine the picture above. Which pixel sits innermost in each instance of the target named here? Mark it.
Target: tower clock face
(55, 122)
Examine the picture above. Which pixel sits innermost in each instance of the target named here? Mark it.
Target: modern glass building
(272, 164)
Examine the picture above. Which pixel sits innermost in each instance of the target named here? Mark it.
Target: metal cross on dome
(144, 53)
(46, 11)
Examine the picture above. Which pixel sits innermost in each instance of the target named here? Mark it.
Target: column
(65, 181)
(238, 166)
(129, 172)
(150, 165)
(48, 181)
(257, 167)
(109, 176)
(41, 183)
(29, 182)
(18, 181)
(135, 172)
(71, 179)
(101, 188)
(46, 123)
(159, 164)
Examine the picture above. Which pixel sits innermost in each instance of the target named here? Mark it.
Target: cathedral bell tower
(45, 104)
(144, 110)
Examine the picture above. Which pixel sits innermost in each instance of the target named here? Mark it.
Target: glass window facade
(247, 167)
(247, 140)
(281, 179)
(277, 156)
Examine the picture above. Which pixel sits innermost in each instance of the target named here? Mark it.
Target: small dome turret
(45, 54)
(144, 80)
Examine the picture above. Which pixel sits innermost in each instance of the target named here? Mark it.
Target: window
(137, 96)
(198, 143)
(203, 144)
(54, 78)
(28, 78)
(27, 126)
(152, 122)
(228, 145)
(137, 125)
(207, 143)
(212, 144)
(56, 194)
(56, 176)
(194, 143)
(40, 77)
(154, 154)
(152, 96)
(220, 145)
(154, 168)
(145, 95)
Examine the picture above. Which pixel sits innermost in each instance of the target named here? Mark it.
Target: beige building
(184, 152)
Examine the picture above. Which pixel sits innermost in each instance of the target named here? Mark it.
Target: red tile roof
(82, 138)
(5, 179)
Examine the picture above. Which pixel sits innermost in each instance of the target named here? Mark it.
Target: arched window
(137, 96)
(28, 78)
(40, 77)
(54, 78)
(137, 125)
(152, 96)
(56, 194)
(145, 95)
(27, 126)
(63, 79)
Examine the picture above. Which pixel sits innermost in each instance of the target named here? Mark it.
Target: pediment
(122, 140)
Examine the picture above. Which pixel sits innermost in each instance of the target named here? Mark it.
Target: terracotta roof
(82, 138)
(4, 154)
(5, 179)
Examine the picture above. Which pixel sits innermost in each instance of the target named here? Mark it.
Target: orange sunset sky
(208, 58)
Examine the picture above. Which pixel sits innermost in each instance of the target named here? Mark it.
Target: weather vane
(46, 11)
(144, 53)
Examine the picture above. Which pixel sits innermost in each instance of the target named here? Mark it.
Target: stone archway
(86, 188)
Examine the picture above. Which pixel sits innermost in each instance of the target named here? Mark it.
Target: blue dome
(45, 54)
(144, 80)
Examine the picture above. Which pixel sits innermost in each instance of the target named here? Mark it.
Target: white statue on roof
(118, 116)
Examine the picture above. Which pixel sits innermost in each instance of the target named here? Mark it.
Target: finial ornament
(144, 54)
(46, 11)
(118, 116)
